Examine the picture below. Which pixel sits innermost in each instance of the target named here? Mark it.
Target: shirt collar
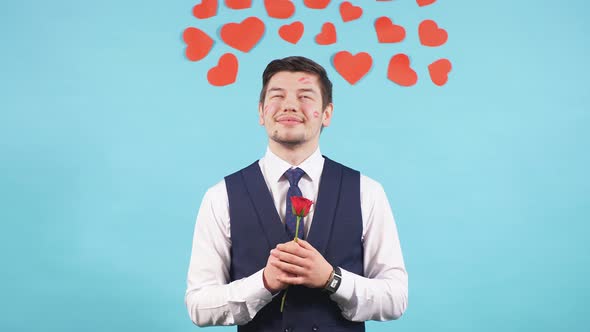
(276, 167)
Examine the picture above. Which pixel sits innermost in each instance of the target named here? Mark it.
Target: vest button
(287, 329)
(315, 328)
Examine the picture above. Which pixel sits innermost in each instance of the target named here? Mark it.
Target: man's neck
(294, 155)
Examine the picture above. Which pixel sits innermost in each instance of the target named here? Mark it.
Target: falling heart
(206, 9)
(400, 72)
(292, 32)
(387, 32)
(439, 71)
(279, 8)
(327, 36)
(352, 67)
(430, 34)
(198, 43)
(423, 3)
(316, 4)
(349, 12)
(225, 72)
(243, 36)
(238, 4)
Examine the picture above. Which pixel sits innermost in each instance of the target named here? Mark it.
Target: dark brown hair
(298, 64)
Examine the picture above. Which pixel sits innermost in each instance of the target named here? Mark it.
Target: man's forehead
(293, 78)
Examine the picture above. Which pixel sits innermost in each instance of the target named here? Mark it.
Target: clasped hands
(295, 263)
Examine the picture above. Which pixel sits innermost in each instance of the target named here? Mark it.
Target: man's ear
(260, 114)
(327, 115)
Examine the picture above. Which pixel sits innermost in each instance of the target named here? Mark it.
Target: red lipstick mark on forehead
(304, 80)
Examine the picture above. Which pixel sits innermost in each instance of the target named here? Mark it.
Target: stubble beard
(287, 142)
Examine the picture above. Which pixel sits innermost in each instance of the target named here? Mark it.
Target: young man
(349, 267)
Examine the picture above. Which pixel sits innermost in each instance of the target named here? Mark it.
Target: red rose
(301, 206)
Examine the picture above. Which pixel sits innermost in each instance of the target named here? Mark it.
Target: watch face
(334, 283)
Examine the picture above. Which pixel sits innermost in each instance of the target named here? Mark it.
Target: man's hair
(298, 64)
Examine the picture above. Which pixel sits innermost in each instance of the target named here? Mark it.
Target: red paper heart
(316, 4)
(387, 32)
(352, 67)
(327, 36)
(243, 36)
(400, 72)
(430, 34)
(349, 12)
(423, 3)
(292, 32)
(238, 4)
(279, 8)
(207, 8)
(198, 43)
(225, 72)
(439, 71)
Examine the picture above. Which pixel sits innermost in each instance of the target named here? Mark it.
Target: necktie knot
(294, 175)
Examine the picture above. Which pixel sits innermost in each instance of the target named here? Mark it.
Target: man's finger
(289, 268)
(295, 280)
(294, 249)
(306, 245)
(288, 257)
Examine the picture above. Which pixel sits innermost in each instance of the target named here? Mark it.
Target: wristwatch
(334, 281)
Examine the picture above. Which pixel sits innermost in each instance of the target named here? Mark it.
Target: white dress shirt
(211, 299)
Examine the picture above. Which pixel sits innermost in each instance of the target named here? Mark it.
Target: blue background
(109, 138)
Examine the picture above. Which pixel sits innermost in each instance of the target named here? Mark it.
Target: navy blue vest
(335, 232)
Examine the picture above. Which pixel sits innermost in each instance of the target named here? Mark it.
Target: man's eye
(276, 96)
(305, 97)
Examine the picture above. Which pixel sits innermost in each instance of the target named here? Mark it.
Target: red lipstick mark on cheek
(316, 114)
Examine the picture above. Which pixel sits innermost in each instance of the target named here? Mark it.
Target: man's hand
(271, 276)
(301, 263)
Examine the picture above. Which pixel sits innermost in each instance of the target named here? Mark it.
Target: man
(349, 267)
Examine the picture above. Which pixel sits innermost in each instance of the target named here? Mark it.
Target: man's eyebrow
(307, 90)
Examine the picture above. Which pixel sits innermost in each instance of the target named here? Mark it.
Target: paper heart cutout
(316, 4)
(349, 12)
(238, 4)
(430, 34)
(423, 3)
(292, 32)
(243, 36)
(279, 8)
(439, 71)
(400, 72)
(328, 34)
(352, 67)
(225, 72)
(387, 32)
(206, 9)
(198, 43)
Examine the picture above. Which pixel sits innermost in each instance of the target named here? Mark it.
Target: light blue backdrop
(109, 138)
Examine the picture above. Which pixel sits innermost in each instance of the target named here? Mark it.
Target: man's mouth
(289, 120)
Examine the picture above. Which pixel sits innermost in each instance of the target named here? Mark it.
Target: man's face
(292, 108)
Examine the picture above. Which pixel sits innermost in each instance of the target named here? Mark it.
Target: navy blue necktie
(293, 175)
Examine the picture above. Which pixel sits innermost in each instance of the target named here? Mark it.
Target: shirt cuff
(344, 292)
(256, 290)
(247, 298)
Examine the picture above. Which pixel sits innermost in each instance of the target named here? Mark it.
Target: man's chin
(288, 140)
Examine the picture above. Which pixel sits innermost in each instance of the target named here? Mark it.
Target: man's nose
(289, 104)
